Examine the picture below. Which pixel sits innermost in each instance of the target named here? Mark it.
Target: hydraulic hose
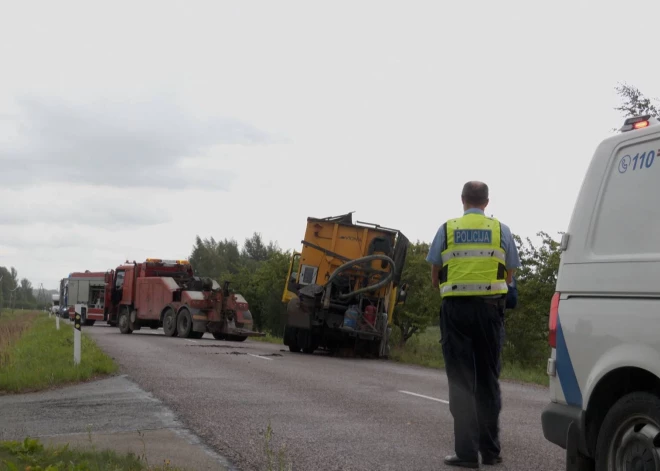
(358, 261)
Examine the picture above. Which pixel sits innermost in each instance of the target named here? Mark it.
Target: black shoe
(492, 460)
(454, 460)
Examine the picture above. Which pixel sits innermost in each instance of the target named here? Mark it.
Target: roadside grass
(269, 338)
(37, 356)
(425, 350)
(281, 460)
(33, 455)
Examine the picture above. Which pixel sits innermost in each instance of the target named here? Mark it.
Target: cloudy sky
(128, 128)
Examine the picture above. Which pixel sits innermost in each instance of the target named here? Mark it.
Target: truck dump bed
(334, 296)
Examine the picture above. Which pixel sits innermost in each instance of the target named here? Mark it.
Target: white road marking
(259, 356)
(425, 397)
(193, 341)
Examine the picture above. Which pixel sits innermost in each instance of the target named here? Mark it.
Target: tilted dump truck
(342, 288)
(167, 293)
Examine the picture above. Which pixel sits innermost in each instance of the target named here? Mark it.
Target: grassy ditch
(33, 455)
(34, 355)
(424, 349)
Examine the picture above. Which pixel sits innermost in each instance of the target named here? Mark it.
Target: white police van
(605, 315)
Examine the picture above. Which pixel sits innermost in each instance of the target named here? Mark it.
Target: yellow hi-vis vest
(473, 262)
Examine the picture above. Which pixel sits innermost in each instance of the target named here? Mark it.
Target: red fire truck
(86, 288)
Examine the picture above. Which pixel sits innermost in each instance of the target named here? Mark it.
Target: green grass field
(34, 355)
(30, 454)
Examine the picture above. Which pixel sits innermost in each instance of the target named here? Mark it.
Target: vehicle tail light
(552, 321)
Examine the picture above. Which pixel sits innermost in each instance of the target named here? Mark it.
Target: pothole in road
(245, 353)
(216, 346)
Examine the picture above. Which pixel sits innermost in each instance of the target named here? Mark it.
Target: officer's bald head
(475, 195)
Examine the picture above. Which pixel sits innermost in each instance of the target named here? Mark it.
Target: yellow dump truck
(341, 289)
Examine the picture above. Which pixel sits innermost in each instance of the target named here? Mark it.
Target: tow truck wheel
(184, 323)
(169, 323)
(124, 322)
(630, 435)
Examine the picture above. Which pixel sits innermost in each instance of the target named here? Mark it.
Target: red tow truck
(167, 293)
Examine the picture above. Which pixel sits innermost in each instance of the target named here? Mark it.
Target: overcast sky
(128, 128)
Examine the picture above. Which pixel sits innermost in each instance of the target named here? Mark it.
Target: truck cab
(604, 319)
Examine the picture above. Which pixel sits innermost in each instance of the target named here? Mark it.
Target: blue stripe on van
(565, 371)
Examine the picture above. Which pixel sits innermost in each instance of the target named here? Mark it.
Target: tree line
(18, 293)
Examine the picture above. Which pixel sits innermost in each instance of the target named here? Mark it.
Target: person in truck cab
(473, 257)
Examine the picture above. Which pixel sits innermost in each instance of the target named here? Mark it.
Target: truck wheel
(184, 323)
(290, 339)
(630, 434)
(124, 322)
(169, 323)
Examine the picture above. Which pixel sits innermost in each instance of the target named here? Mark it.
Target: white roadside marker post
(81, 311)
(57, 321)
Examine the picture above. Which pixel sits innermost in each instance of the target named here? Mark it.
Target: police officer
(473, 259)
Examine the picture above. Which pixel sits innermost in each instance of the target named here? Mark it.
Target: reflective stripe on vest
(485, 290)
(473, 263)
(497, 253)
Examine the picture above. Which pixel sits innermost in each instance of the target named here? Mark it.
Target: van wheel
(630, 435)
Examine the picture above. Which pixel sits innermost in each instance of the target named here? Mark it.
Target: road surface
(331, 413)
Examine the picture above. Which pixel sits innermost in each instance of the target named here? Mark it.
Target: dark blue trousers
(471, 345)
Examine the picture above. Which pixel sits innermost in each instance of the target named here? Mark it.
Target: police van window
(628, 215)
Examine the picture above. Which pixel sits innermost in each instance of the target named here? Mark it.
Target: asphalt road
(331, 413)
